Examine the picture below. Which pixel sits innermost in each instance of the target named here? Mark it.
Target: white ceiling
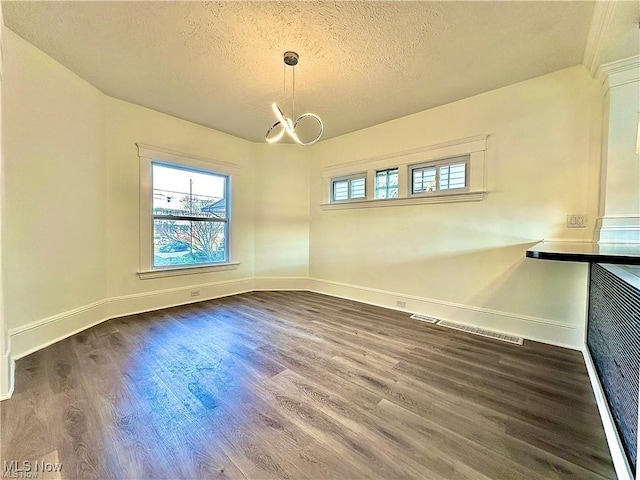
(219, 64)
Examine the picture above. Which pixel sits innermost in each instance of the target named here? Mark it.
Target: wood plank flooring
(301, 385)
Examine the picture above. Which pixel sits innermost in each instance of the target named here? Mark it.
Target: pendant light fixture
(286, 124)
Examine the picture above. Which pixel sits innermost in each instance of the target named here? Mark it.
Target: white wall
(54, 246)
(282, 211)
(619, 220)
(127, 124)
(623, 172)
(6, 363)
(71, 202)
(71, 228)
(466, 261)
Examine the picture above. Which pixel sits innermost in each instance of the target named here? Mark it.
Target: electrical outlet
(577, 221)
(195, 293)
(401, 304)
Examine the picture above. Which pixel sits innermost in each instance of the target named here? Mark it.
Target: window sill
(413, 200)
(175, 271)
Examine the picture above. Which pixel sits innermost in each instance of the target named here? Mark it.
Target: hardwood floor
(301, 385)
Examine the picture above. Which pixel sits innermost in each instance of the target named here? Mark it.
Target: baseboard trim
(622, 467)
(159, 299)
(7, 375)
(618, 229)
(529, 327)
(36, 335)
(28, 338)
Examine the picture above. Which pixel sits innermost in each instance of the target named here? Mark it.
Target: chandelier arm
(320, 124)
(277, 137)
(286, 122)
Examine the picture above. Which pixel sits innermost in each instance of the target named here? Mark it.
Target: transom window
(423, 180)
(190, 216)
(348, 188)
(386, 183)
(448, 174)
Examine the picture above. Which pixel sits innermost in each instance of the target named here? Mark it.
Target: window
(190, 216)
(452, 176)
(424, 180)
(386, 183)
(350, 188)
(448, 174)
(185, 213)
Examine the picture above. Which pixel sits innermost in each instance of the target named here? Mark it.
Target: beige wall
(623, 172)
(72, 202)
(270, 216)
(54, 247)
(619, 220)
(6, 363)
(542, 163)
(72, 224)
(282, 211)
(127, 124)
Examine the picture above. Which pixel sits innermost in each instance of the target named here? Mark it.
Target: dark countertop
(619, 254)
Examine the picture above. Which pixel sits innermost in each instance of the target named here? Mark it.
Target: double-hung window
(349, 188)
(190, 216)
(185, 213)
(442, 175)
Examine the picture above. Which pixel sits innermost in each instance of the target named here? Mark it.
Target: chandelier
(286, 124)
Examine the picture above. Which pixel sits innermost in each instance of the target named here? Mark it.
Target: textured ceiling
(219, 64)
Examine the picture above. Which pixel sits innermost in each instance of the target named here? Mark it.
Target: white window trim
(172, 271)
(412, 200)
(475, 147)
(147, 155)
